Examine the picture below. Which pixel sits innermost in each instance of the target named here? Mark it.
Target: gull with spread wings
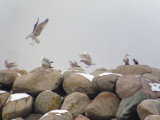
(85, 58)
(37, 31)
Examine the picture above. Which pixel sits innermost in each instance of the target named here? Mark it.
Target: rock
(33, 117)
(105, 81)
(99, 71)
(18, 105)
(47, 101)
(57, 115)
(7, 77)
(152, 117)
(78, 82)
(81, 117)
(148, 107)
(150, 87)
(127, 107)
(4, 95)
(71, 70)
(76, 103)
(127, 85)
(151, 76)
(103, 107)
(156, 72)
(19, 118)
(38, 81)
(133, 69)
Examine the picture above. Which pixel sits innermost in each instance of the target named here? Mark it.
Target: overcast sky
(106, 29)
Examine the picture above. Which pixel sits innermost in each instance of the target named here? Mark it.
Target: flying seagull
(135, 61)
(73, 64)
(85, 58)
(9, 65)
(37, 31)
(126, 60)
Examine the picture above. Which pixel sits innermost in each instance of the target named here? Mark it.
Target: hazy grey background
(106, 29)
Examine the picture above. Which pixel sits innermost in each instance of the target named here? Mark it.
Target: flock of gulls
(46, 63)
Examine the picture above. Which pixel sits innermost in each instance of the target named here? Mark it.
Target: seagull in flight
(37, 31)
(85, 58)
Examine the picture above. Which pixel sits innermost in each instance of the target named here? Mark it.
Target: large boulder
(105, 81)
(127, 85)
(4, 95)
(7, 77)
(156, 72)
(79, 82)
(81, 117)
(76, 103)
(57, 115)
(33, 117)
(18, 105)
(69, 71)
(133, 69)
(152, 117)
(151, 87)
(99, 71)
(151, 76)
(148, 107)
(38, 81)
(128, 106)
(103, 107)
(47, 101)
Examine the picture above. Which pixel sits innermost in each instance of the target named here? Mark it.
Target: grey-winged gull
(9, 65)
(73, 64)
(85, 58)
(37, 31)
(46, 62)
(126, 60)
(135, 61)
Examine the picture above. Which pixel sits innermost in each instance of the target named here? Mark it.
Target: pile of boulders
(129, 92)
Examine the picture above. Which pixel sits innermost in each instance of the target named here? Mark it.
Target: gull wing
(40, 27)
(85, 56)
(35, 25)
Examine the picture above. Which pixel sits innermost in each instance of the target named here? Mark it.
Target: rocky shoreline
(129, 92)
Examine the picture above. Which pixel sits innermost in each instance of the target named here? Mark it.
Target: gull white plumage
(37, 31)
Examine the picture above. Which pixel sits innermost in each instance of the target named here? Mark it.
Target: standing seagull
(37, 31)
(135, 61)
(85, 58)
(126, 60)
(47, 61)
(9, 65)
(73, 64)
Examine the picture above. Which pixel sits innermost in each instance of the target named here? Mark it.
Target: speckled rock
(103, 107)
(78, 83)
(18, 105)
(148, 107)
(37, 81)
(76, 103)
(47, 101)
(57, 115)
(133, 69)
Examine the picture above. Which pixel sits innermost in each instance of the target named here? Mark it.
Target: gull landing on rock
(85, 58)
(37, 31)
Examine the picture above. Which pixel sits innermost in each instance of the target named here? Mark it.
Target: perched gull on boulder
(46, 63)
(37, 31)
(135, 61)
(85, 58)
(9, 65)
(126, 60)
(73, 64)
